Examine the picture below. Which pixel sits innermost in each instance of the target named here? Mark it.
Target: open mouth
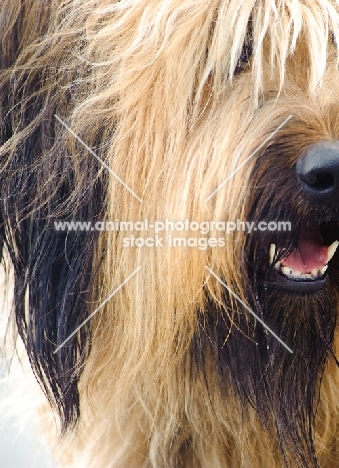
(304, 269)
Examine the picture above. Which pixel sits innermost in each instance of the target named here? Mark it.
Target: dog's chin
(308, 266)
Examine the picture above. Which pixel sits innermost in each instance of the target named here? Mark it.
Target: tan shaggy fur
(154, 85)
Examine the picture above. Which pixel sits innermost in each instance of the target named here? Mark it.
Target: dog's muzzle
(305, 268)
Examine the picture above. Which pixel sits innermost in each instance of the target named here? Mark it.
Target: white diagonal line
(250, 157)
(97, 309)
(97, 157)
(250, 310)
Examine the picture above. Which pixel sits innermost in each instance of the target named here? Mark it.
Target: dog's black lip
(277, 280)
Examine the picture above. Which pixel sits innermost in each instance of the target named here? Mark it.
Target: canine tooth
(331, 250)
(272, 253)
(323, 270)
(314, 272)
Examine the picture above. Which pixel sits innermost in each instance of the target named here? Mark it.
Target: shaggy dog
(204, 355)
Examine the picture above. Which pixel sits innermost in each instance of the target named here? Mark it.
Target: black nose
(318, 172)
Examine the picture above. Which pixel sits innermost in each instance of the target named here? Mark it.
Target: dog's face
(215, 111)
(291, 278)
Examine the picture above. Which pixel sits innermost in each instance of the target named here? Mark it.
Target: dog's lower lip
(280, 281)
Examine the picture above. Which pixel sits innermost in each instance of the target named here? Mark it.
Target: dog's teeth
(323, 270)
(296, 273)
(307, 276)
(286, 271)
(272, 253)
(314, 272)
(332, 249)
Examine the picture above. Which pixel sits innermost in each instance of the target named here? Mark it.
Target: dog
(150, 351)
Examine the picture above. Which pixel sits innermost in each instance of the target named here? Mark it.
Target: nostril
(319, 181)
(318, 173)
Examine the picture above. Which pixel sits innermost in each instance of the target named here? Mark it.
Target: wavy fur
(173, 96)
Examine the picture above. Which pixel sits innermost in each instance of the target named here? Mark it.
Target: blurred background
(20, 447)
(20, 444)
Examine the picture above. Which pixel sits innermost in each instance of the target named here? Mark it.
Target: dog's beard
(283, 388)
